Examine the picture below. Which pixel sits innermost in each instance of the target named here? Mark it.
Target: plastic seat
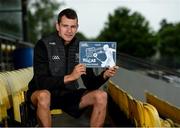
(4, 99)
(119, 96)
(13, 86)
(144, 114)
(140, 113)
(165, 109)
(16, 93)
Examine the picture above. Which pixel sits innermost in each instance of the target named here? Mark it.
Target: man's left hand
(110, 72)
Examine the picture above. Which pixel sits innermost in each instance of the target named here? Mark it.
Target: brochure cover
(97, 54)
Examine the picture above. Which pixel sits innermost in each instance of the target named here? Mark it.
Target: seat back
(13, 84)
(165, 109)
(140, 113)
(119, 96)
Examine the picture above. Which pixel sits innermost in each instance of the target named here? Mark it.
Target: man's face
(67, 28)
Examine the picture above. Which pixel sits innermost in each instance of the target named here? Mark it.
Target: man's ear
(57, 26)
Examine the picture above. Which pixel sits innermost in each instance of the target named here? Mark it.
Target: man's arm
(78, 70)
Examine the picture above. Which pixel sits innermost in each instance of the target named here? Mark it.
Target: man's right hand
(78, 70)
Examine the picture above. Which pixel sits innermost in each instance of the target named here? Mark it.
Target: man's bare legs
(97, 99)
(41, 99)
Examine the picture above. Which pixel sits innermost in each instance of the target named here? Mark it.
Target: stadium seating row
(13, 85)
(142, 114)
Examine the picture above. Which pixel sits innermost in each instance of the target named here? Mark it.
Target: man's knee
(43, 98)
(101, 97)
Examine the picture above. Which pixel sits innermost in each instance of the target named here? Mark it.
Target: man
(56, 71)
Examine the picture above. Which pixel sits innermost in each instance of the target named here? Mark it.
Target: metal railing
(7, 46)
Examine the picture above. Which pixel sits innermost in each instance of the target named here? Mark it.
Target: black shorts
(68, 101)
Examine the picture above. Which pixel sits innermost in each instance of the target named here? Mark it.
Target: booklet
(97, 54)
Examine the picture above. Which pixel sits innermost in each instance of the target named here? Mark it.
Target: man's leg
(98, 99)
(41, 99)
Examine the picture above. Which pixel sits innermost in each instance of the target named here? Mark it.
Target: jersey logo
(52, 43)
(55, 58)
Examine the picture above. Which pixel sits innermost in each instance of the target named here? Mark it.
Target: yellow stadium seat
(13, 85)
(142, 114)
(119, 96)
(165, 109)
(16, 93)
(56, 111)
(136, 112)
(4, 100)
(151, 116)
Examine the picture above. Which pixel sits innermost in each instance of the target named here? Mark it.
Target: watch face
(97, 54)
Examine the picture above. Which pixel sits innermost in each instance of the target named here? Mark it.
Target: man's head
(67, 24)
(69, 13)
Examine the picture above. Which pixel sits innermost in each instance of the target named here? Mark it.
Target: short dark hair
(69, 13)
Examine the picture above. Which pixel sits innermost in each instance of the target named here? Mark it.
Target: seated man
(56, 71)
